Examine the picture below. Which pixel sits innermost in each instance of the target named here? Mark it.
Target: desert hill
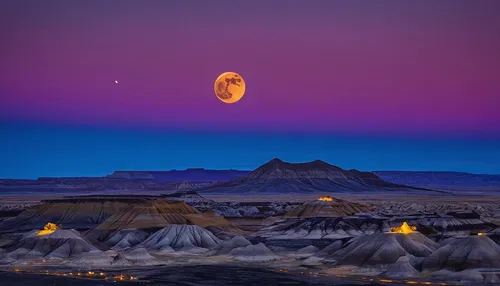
(226, 246)
(180, 237)
(126, 238)
(61, 243)
(149, 214)
(258, 252)
(402, 268)
(463, 253)
(324, 227)
(103, 216)
(79, 213)
(280, 177)
(384, 248)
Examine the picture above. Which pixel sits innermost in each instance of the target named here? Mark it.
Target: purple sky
(362, 66)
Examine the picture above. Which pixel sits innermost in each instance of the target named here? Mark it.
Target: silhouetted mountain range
(275, 176)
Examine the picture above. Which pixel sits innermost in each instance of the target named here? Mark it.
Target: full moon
(229, 87)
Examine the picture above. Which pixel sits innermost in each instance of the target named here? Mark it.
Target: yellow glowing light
(481, 233)
(48, 229)
(404, 228)
(326, 199)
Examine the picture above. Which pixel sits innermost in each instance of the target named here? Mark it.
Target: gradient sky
(366, 80)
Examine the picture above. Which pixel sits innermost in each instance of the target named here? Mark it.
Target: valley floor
(201, 275)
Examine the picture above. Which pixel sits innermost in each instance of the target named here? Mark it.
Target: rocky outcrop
(126, 238)
(121, 261)
(330, 249)
(139, 256)
(226, 246)
(58, 244)
(464, 253)
(253, 253)
(180, 237)
(402, 268)
(324, 228)
(93, 260)
(383, 249)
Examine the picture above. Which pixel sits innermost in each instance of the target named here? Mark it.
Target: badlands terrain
(283, 223)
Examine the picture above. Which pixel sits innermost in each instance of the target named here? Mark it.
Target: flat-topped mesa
(278, 177)
(404, 229)
(278, 169)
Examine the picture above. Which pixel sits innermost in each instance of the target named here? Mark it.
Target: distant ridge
(190, 174)
(454, 181)
(277, 176)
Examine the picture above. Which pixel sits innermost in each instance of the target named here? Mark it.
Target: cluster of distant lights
(88, 274)
(123, 277)
(382, 280)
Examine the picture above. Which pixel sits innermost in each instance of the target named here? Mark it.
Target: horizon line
(240, 170)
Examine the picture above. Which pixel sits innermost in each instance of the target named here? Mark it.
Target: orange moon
(229, 87)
